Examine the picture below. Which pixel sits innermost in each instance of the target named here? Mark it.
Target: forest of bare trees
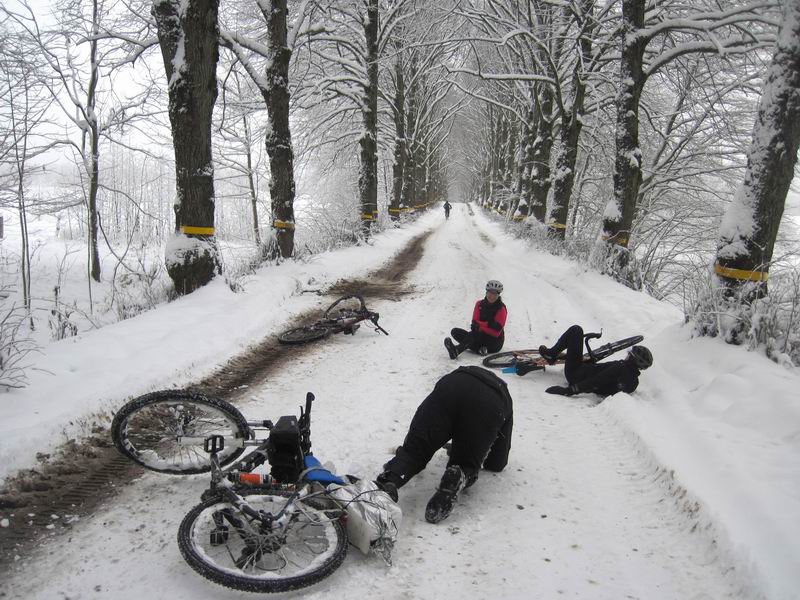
(615, 131)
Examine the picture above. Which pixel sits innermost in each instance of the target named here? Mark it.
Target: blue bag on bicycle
(319, 473)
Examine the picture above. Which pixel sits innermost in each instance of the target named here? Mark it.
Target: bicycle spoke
(284, 551)
(154, 432)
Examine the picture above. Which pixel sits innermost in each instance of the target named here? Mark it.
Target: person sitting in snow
(470, 406)
(603, 379)
(488, 321)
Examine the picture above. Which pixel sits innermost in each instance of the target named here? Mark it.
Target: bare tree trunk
(750, 225)
(526, 168)
(93, 167)
(618, 216)
(94, 184)
(400, 144)
(571, 124)
(279, 138)
(188, 35)
(368, 175)
(542, 147)
(252, 185)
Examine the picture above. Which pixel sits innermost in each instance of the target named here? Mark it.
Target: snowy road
(581, 511)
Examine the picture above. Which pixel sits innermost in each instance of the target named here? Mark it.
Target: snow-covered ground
(690, 488)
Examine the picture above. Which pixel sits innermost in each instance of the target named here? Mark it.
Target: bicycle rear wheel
(226, 546)
(301, 335)
(165, 431)
(346, 306)
(612, 347)
(509, 359)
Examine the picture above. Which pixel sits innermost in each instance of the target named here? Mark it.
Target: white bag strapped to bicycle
(373, 518)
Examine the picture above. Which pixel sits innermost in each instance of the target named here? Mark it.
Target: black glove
(562, 391)
(474, 327)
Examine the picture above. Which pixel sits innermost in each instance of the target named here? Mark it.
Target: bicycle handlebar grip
(309, 400)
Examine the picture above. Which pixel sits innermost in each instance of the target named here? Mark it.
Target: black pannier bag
(284, 451)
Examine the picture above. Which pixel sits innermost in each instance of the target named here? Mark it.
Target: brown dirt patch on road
(37, 504)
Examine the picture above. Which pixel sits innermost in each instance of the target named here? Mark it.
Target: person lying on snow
(603, 379)
(486, 333)
(470, 406)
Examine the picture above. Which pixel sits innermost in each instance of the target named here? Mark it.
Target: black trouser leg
(430, 429)
(463, 338)
(571, 341)
(473, 341)
(477, 430)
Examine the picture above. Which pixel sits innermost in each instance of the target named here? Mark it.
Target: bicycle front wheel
(509, 359)
(165, 431)
(301, 335)
(230, 548)
(612, 347)
(346, 306)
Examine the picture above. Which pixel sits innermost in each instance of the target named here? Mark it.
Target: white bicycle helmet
(494, 286)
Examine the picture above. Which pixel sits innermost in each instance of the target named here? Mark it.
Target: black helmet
(494, 286)
(641, 357)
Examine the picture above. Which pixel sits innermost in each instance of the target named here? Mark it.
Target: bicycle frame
(348, 320)
(225, 481)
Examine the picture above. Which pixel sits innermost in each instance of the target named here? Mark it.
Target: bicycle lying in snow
(255, 532)
(343, 316)
(525, 361)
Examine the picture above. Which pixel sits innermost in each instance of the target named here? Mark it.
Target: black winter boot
(451, 349)
(547, 354)
(389, 482)
(442, 502)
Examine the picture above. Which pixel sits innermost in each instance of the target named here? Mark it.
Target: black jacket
(606, 379)
(487, 311)
(470, 406)
(497, 458)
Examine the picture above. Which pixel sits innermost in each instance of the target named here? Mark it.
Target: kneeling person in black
(603, 379)
(470, 406)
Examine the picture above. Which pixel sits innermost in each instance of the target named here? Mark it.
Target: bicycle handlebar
(373, 317)
(304, 423)
(591, 336)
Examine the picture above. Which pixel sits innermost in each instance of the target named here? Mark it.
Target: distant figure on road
(447, 208)
(488, 322)
(603, 379)
(470, 406)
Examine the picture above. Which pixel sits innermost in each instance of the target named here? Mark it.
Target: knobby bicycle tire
(147, 431)
(342, 302)
(505, 359)
(253, 565)
(303, 335)
(608, 349)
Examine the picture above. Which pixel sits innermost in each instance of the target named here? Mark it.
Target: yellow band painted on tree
(189, 230)
(556, 226)
(520, 217)
(366, 217)
(740, 274)
(618, 239)
(282, 224)
(399, 210)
